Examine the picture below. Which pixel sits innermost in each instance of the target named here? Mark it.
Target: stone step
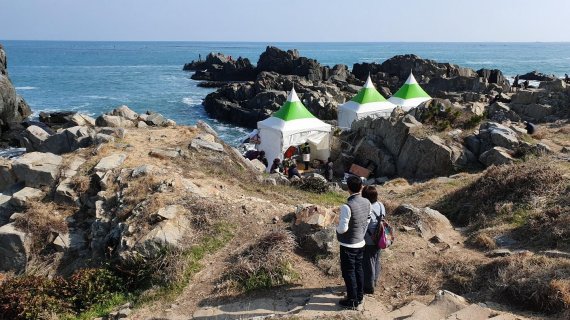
(256, 308)
(406, 310)
(444, 304)
(472, 312)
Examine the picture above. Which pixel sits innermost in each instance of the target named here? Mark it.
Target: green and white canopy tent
(367, 103)
(410, 94)
(293, 125)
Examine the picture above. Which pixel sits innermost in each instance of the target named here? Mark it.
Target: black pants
(351, 268)
(306, 165)
(371, 266)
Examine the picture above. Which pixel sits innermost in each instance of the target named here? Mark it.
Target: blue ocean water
(95, 77)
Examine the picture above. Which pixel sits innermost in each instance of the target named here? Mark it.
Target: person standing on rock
(306, 151)
(352, 225)
(371, 261)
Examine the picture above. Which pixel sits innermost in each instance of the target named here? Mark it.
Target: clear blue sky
(292, 20)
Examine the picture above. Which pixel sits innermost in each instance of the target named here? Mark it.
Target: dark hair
(370, 193)
(276, 160)
(354, 184)
(262, 153)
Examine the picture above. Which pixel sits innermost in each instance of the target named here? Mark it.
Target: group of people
(359, 255)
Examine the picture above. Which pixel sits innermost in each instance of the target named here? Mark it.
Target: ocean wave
(26, 88)
(191, 101)
(486, 62)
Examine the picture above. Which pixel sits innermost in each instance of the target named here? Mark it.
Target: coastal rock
(314, 229)
(14, 249)
(218, 67)
(13, 108)
(125, 112)
(156, 120)
(68, 140)
(554, 85)
(496, 156)
(56, 118)
(425, 158)
(205, 144)
(537, 76)
(24, 196)
(33, 137)
(7, 176)
(111, 162)
(79, 119)
(500, 111)
(36, 169)
(106, 120)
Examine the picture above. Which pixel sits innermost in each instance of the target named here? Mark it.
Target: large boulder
(12, 107)
(289, 62)
(495, 134)
(14, 249)
(496, 156)
(33, 137)
(426, 221)
(423, 158)
(171, 232)
(314, 227)
(23, 197)
(7, 176)
(36, 169)
(125, 112)
(106, 120)
(68, 140)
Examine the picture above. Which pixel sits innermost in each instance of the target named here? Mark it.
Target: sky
(287, 21)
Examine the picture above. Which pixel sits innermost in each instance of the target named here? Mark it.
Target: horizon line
(277, 41)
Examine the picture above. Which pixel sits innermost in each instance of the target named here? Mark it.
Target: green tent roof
(293, 109)
(368, 94)
(411, 89)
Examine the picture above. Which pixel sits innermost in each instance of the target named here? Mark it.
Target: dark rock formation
(12, 107)
(247, 103)
(218, 67)
(537, 76)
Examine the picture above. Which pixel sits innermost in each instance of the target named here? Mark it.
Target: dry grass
(80, 184)
(42, 221)
(264, 264)
(521, 184)
(535, 282)
(205, 213)
(482, 241)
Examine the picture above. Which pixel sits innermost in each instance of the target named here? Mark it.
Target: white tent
(410, 94)
(293, 125)
(367, 103)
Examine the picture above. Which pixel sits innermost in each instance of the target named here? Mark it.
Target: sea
(95, 77)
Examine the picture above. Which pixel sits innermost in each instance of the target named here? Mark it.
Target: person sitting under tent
(259, 155)
(276, 166)
(293, 171)
(306, 151)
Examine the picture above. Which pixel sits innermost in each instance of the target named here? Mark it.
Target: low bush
(505, 191)
(39, 297)
(264, 264)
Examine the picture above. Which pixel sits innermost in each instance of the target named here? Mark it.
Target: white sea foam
(26, 88)
(191, 101)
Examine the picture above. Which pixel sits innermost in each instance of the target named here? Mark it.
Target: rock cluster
(80, 131)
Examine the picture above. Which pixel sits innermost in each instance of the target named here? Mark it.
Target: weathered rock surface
(110, 162)
(13, 108)
(496, 156)
(36, 169)
(25, 196)
(314, 227)
(14, 249)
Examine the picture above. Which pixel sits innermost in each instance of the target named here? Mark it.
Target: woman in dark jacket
(371, 261)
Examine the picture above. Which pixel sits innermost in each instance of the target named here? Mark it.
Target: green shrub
(34, 297)
(39, 297)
